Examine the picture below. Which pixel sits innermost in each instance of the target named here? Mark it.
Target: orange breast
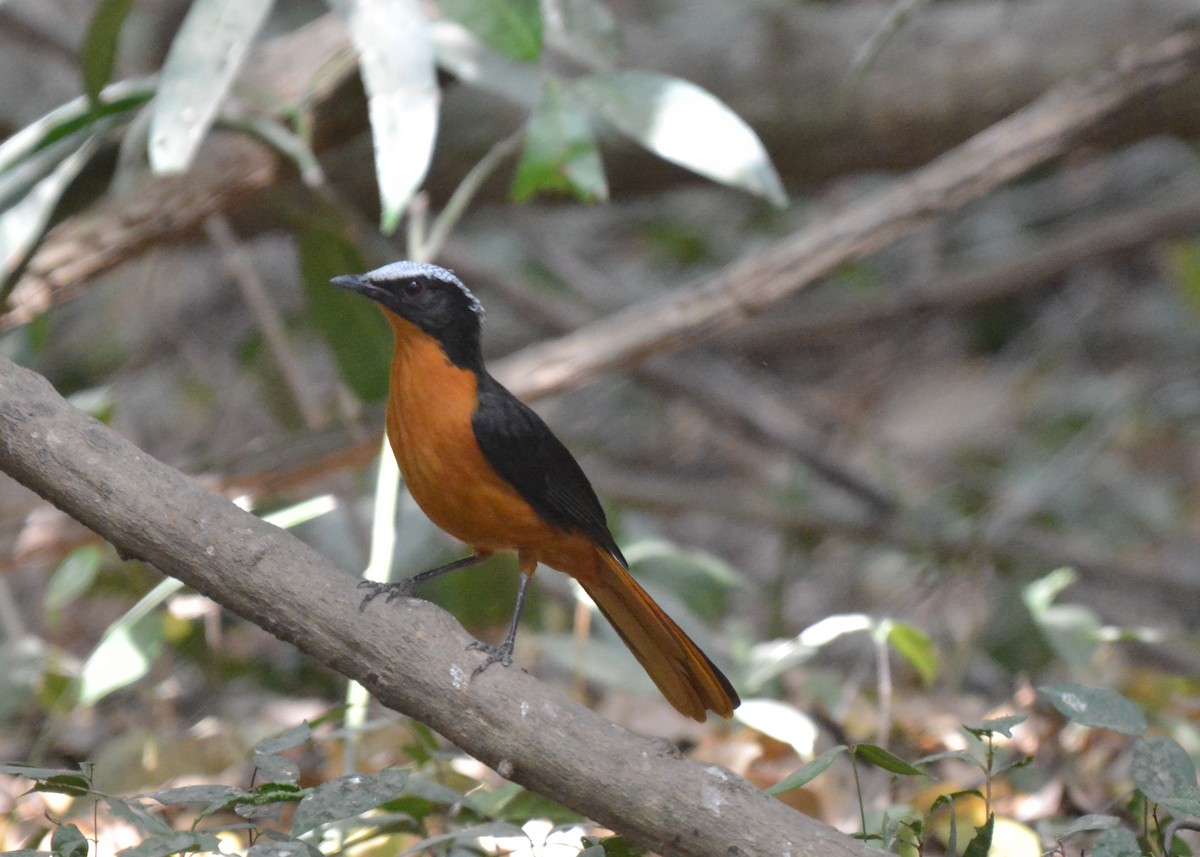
(429, 426)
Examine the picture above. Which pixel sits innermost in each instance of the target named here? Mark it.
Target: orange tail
(684, 674)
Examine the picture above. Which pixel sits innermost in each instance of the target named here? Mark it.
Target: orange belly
(429, 427)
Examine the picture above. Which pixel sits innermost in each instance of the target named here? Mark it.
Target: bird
(485, 468)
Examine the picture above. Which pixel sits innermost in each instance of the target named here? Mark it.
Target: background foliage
(936, 516)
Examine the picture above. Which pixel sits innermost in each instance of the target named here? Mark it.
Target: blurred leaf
(1183, 258)
(34, 772)
(353, 327)
(285, 142)
(471, 61)
(805, 774)
(686, 125)
(275, 844)
(201, 64)
(68, 841)
(289, 739)
(99, 50)
(881, 758)
(193, 794)
(136, 816)
(23, 221)
(916, 648)
(72, 578)
(512, 27)
(173, 843)
(1118, 842)
(1091, 706)
(584, 29)
(350, 796)
(1184, 804)
(1001, 725)
(128, 646)
(263, 795)
(774, 657)
(275, 768)
(560, 153)
(1162, 769)
(781, 721)
(396, 60)
(1090, 822)
(1072, 631)
(700, 580)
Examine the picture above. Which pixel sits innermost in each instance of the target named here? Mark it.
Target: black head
(430, 297)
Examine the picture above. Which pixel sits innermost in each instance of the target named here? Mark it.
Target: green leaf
(684, 124)
(1162, 769)
(173, 843)
(1088, 823)
(916, 648)
(34, 772)
(1001, 725)
(881, 758)
(289, 739)
(68, 841)
(73, 577)
(353, 327)
(1183, 258)
(1118, 842)
(99, 50)
(560, 152)
(981, 844)
(194, 794)
(136, 816)
(75, 785)
(201, 64)
(1097, 707)
(511, 27)
(350, 796)
(396, 61)
(610, 846)
(808, 772)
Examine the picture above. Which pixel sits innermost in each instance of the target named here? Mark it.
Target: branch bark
(411, 655)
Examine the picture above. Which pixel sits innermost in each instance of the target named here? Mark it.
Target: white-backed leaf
(395, 53)
(583, 29)
(466, 57)
(22, 223)
(204, 58)
(687, 125)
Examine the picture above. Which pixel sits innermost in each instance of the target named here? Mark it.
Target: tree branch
(411, 655)
(1045, 129)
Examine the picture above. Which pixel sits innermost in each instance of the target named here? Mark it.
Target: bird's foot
(399, 589)
(501, 654)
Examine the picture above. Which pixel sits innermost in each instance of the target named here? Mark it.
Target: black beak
(357, 283)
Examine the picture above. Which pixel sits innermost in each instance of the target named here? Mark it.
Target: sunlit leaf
(560, 152)
(99, 50)
(686, 125)
(396, 60)
(778, 720)
(128, 647)
(512, 27)
(916, 648)
(1091, 706)
(201, 64)
(1002, 725)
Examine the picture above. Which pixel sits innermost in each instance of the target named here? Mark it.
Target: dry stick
(1043, 130)
(412, 656)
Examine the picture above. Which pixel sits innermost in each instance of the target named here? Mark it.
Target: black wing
(523, 450)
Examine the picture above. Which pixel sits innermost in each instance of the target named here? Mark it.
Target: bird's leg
(404, 588)
(502, 654)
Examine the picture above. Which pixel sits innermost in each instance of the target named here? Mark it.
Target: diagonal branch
(411, 655)
(1044, 130)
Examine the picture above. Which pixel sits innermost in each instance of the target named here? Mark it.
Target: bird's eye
(412, 288)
